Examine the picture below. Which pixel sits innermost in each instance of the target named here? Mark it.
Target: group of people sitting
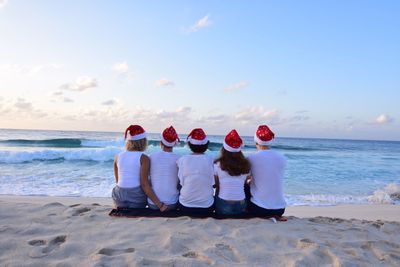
(196, 184)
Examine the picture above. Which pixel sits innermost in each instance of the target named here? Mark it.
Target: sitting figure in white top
(164, 171)
(130, 166)
(196, 176)
(231, 171)
(267, 170)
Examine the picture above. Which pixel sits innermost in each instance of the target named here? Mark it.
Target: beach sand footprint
(80, 211)
(226, 252)
(306, 243)
(195, 255)
(37, 242)
(115, 252)
(39, 251)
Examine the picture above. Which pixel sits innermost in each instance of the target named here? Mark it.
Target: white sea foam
(324, 200)
(388, 195)
(93, 154)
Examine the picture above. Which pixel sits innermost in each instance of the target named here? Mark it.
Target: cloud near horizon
(383, 119)
(81, 84)
(110, 102)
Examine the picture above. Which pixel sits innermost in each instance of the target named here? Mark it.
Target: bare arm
(116, 169)
(248, 179)
(145, 184)
(216, 185)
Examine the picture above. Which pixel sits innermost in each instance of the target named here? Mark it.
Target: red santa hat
(264, 136)
(233, 142)
(135, 132)
(169, 137)
(197, 137)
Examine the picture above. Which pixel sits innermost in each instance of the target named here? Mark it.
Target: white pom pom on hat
(135, 132)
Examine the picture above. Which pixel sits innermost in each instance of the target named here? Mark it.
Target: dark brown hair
(198, 148)
(233, 163)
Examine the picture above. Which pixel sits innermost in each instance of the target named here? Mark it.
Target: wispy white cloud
(24, 108)
(22, 104)
(200, 24)
(236, 86)
(29, 70)
(383, 119)
(81, 84)
(57, 93)
(121, 67)
(164, 82)
(256, 115)
(110, 102)
(67, 100)
(3, 3)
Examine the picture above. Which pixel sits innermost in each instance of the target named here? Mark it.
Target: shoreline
(371, 212)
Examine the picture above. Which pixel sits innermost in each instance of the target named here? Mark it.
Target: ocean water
(319, 171)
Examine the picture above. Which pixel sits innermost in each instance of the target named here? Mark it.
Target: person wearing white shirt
(130, 168)
(196, 177)
(231, 171)
(164, 171)
(267, 170)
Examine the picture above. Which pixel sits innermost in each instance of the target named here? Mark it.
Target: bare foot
(281, 218)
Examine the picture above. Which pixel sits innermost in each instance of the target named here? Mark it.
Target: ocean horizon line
(210, 134)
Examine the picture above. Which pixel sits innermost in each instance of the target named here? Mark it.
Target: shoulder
(176, 156)
(253, 155)
(181, 159)
(208, 157)
(278, 156)
(144, 157)
(154, 155)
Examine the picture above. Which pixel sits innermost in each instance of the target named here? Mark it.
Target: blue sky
(306, 68)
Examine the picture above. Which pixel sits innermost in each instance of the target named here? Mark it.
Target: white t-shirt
(196, 175)
(128, 164)
(164, 177)
(267, 169)
(230, 187)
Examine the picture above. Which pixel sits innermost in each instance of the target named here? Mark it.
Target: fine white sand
(53, 231)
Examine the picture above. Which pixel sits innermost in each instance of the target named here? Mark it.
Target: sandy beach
(68, 231)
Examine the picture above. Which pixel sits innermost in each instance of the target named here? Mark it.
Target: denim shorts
(228, 207)
(129, 197)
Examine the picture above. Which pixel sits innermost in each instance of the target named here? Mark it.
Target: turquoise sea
(319, 171)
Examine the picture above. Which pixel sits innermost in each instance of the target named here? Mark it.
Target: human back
(196, 178)
(128, 163)
(266, 187)
(231, 171)
(164, 176)
(267, 170)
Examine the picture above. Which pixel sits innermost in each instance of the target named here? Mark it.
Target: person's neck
(194, 153)
(262, 147)
(169, 150)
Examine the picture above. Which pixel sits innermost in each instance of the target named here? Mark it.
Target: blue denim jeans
(228, 207)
